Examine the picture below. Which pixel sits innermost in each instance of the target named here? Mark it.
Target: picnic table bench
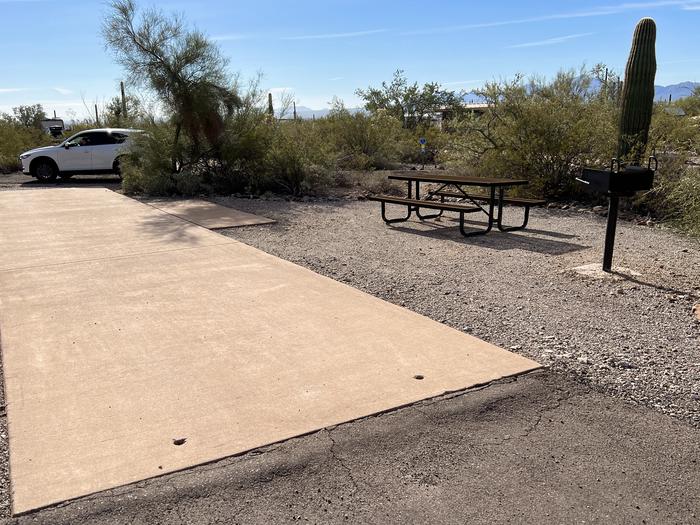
(452, 186)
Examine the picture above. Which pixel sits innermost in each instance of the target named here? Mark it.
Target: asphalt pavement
(537, 449)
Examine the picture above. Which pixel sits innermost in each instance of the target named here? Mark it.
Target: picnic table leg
(400, 219)
(501, 190)
(500, 215)
(417, 208)
(490, 214)
(409, 207)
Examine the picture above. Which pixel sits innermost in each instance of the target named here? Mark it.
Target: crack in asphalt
(128, 491)
(340, 461)
(540, 417)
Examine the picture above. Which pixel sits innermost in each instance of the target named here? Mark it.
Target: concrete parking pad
(123, 363)
(41, 227)
(208, 214)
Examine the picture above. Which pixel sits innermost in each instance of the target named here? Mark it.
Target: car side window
(86, 139)
(100, 138)
(77, 140)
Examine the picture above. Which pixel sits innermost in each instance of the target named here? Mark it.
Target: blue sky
(51, 52)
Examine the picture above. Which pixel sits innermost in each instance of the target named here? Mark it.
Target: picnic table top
(456, 179)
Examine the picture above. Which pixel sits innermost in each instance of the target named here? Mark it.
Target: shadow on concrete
(280, 209)
(82, 181)
(172, 229)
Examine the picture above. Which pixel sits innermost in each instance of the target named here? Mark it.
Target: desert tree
(114, 111)
(181, 66)
(691, 103)
(29, 116)
(540, 130)
(409, 103)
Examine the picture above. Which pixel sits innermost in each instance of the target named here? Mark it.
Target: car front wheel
(45, 170)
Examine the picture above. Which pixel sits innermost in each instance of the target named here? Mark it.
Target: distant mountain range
(682, 90)
(308, 113)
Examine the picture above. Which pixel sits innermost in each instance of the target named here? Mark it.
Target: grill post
(610, 232)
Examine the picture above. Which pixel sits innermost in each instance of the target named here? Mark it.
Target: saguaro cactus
(638, 94)
(270, 108)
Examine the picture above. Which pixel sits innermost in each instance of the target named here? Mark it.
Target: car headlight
(25, 156)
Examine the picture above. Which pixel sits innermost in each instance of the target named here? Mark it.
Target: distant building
(442, 115)
(675, 111)
(476, 108)
(52, 126)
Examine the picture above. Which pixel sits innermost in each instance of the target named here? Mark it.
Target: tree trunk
(176, 143)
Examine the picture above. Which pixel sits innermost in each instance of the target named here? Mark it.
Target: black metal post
(610, 233)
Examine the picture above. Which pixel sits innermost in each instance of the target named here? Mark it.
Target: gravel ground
(633, 337)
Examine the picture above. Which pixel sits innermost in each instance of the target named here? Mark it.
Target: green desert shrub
(673, 134)
(189, 182)
(690, 105)
(684, 197)
(247, 141)
(297, 161)
(542, 131)
(286, 166)
(437, 142)
(151, 165)
(358, 141)
(675, 196)
(15, 139)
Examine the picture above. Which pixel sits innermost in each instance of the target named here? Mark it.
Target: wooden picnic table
(452, 186)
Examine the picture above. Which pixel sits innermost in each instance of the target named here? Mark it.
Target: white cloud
(597, 11)
(60, 106)
(63, 91)
(333, 79)
(460, 82)
(335, 35)
(551, 41)
(12, 90)
(230, 37)
(315, 103)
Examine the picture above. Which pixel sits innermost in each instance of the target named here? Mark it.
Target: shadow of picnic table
(532, 240)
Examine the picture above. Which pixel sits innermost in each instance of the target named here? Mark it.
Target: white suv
(90, 151)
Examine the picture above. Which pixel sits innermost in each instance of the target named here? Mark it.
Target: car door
(104, 150)
(76, 154)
